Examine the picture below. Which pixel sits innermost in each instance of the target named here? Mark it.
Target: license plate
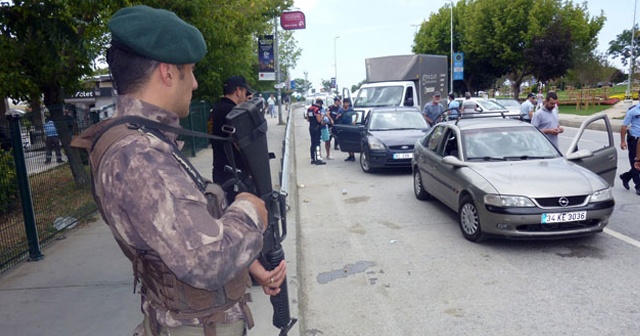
(563, 217)
(398, 156)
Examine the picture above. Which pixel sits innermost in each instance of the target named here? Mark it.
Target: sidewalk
(84, 285)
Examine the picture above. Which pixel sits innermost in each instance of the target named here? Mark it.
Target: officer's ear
(167, 73)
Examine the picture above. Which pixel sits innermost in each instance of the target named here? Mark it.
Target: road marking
(622, 237)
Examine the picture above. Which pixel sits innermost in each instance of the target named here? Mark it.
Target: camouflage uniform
(148, 198)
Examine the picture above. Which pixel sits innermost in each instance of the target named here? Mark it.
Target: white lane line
(622, 237)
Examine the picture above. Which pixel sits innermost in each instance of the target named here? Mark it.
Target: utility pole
(633, 35)
(335, 62)
(278, 79)
(306, 84)
(451, 56)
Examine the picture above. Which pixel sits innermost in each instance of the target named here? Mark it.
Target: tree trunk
(53, 101)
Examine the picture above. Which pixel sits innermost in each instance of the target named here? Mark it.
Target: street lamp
(451, 60)
(335, 62)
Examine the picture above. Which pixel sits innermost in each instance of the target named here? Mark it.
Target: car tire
(365, 164)
(418, 187)
(469, 220)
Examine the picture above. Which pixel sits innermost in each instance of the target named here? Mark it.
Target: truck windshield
(379, 96)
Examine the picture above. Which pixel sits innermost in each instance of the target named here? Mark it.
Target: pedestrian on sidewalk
(236, 90)
(192, 257)
(271, 102)
(629, 136)
(51, 141)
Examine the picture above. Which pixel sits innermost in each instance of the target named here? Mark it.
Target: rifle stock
(250, 136)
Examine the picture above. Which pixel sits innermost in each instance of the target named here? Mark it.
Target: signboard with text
(458, 66)
(292, 20)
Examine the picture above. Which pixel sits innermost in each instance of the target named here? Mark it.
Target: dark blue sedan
(384, 138)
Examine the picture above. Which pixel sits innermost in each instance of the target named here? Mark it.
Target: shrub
(8, 182)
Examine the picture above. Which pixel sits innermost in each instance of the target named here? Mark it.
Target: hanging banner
(292, 20)
(266, 58)
(458, 66)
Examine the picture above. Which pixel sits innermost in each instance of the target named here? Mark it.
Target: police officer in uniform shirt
(193, 268)
(314, 117)
(629, 136)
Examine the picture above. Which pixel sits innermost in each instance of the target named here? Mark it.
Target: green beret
(156, 34)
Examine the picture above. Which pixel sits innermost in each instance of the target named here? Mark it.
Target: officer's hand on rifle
(258, 204)
(269, 280)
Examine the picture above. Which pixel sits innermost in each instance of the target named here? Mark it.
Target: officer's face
(186, 84)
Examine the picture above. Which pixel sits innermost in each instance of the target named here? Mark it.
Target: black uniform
(314, 131)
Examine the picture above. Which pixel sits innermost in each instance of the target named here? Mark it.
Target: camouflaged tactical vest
(159, 285)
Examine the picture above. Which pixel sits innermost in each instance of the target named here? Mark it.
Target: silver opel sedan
(504, 178)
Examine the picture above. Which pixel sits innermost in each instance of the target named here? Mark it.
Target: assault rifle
(248, 128)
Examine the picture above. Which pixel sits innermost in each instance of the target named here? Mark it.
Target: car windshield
(379, 96)
(503, 144)
(508, 102)
(395, 120)
(490, 105)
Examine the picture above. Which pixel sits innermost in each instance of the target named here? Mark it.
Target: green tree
(621, 46)
(496, 36)
(48, 46)
(302, 86)
(357, 86)
(326, 85)
(548, 55)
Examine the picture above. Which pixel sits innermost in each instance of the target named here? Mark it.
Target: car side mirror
(479, 109)
(453, 161)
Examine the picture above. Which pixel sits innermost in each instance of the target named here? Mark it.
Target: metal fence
(59, 203)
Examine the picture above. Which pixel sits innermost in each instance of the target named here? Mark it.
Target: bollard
(23, 186)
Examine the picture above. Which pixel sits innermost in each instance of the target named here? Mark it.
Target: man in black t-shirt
(235, 90)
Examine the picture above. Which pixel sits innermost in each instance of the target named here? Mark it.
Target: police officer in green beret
(192, 266)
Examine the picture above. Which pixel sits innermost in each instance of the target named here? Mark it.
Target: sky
(373, 28)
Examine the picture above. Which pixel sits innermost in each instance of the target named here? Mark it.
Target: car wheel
(469, 220)
(365, 164)
(418, 188)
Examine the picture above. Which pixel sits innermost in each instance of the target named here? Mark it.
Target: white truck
(403, 80)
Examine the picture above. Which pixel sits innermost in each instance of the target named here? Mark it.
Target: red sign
(292, 20)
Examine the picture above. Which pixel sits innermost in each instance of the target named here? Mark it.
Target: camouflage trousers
(230, 329)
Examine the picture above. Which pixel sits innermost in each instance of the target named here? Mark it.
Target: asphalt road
(373, 260)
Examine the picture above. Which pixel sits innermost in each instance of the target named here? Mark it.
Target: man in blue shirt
(51, 141)
(527, 107)
(454, 107)
(629, 135)
(432, 110)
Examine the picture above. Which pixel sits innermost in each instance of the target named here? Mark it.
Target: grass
(54, 194)
(571, 109)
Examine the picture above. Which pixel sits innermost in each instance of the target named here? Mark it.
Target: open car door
(349, 137)
(600, 156)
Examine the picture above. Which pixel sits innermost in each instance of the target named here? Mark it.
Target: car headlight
(601, 196)
(508, 201)
(375, 144)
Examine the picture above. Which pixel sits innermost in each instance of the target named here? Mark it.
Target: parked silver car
(505, 178)
(510, 104)
(486, 106)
